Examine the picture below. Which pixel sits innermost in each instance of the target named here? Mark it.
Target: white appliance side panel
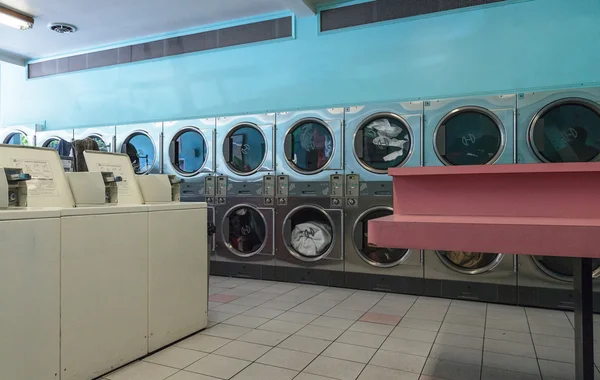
(104, 293)
(29, 294)
(178, 281)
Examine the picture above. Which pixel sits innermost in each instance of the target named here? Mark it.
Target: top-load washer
(104, 136)
(309, 196)
(190, 155)
(245, 196)
(18, 135)
(143, 143)
(556, 126)
(470, 131)
(379, 137)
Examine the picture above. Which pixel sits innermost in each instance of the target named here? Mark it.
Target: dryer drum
(244, 230)
(469, 136)
(308, 233)
(309, 146)
(470, 262)
(382, 141)
(141, 151)
(375, 256)
(16, 138)
(245, 149)
(567, 130)
(188, 151)
(102, 145)
(561, 268)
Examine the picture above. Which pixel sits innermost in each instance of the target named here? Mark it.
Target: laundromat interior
(187, 187)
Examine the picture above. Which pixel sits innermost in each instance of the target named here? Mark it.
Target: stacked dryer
(245, 213)
(379, 137)
(556, 126)
(310, 215)
(190, 155)
(470, 131)
(18, 135)
(143, 144)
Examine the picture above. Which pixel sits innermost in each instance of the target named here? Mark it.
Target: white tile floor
(263, 330)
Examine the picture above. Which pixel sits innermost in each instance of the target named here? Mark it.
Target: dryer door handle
(287, 147)
(358, 143)
(358, 237)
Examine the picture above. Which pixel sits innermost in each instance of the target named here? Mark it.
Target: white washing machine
(470, 131)
(556, 126)
(104, 136)
(143, 143)
(19, 135)
(29, 288)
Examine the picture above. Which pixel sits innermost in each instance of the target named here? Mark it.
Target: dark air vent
(214, 39)
(384, 10)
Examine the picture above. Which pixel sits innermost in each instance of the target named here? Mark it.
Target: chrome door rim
(480, 110)
(137, 133)
(381, 115)
(297, 124)
(456, 268)
(359, 252)
(226, 239)
(557, 276)
(206, 154)
(291, 249)
(564, 101)
(12, 134)
(264, 159)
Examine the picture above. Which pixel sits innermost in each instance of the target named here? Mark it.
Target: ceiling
(111, 21)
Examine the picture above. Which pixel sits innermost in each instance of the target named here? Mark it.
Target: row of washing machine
(292, 192)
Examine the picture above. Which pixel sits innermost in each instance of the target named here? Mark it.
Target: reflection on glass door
(470, 262)
(309, 146)
(17, 138)
(245, 149)
(188, 151)
(561, 268)
(140, 149)
(247, 231)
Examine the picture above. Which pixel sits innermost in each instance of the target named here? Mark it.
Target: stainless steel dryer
(191, 157)
(470, 131)
(18, 135)
(104, 136)
(245, 238)
(143, 143)
(556, 126)
(379, 137)
(310, 230)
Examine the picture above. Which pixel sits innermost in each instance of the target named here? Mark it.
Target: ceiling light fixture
(15, 19)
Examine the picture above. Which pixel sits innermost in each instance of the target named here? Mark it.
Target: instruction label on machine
(42, 179)
(117, 171)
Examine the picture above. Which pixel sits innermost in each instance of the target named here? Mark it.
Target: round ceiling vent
(62, 28)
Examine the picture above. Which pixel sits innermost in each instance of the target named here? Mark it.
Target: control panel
(210, 189)
(13, 188)
(269, 190)
(352, 189)
(221, 189)
(283, 188)
(336, 188)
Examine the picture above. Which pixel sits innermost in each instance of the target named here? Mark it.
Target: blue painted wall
(525, 45)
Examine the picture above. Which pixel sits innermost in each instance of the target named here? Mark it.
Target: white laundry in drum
(311, 239)
(387, 136)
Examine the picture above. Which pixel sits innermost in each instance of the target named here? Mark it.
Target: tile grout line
(483, 347)
(537, 361)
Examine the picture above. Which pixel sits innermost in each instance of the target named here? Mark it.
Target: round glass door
(188, 151)
(567, 131)
(52, 143)
(245, 149)
(102, 145)
(381, 142)
(469, 136)
(470, 262)
(244, 230)
(309, 146)
(376, 256)
(308, 233)
(16, 138)
(140, 149)
(561, 268)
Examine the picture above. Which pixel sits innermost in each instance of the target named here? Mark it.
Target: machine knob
(211, 228)
(351, 202)
(336, 201)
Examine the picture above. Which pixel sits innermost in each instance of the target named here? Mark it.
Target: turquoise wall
(524, 45)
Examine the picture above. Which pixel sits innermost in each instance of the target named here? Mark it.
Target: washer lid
(567, 130)
(469, 136)
(383, 141)
(470, 263)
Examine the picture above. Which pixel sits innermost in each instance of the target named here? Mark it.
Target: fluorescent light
(15, 19)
